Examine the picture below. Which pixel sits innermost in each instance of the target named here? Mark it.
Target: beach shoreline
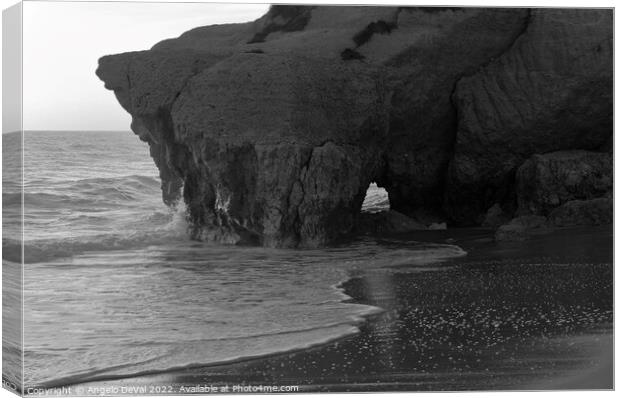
(416, 346)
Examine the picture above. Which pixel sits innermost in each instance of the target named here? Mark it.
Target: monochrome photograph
(249, 198)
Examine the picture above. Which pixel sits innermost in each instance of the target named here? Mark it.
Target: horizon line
(63, 130)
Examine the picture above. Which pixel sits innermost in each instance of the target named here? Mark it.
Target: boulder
(544, 182)
(386, 222)
(495, 217)
(438, 226)
(583, 212)
(520, 228)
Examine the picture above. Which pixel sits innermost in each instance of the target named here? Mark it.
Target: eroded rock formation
(544, 182)
(274, 129)
(549, 92)
(597, 211)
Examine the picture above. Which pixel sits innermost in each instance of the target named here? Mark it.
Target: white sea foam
(171, 306)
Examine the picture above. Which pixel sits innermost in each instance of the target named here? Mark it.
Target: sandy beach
(526, 315)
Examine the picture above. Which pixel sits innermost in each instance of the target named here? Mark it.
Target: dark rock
(583, 212)
(544, 182)
(520, 228)
(386, 222)
(495, 217)
(278, 148)
(438, 226)
(282, 171)
(348, 55)
(283, 19)
(530, 221)
(423, 116)
(509, 232)
(379, 27)
(550, 91)
(427, 216)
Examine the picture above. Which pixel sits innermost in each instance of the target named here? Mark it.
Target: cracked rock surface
(271, 131)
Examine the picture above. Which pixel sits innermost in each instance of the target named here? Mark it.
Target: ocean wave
(194, 354)
(318, 314)
(376, 200)
(152, 357)
(134, 181)
(11, 198)
(84, 192)
(172, 226)
(41, 200)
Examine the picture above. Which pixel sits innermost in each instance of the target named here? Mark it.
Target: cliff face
(550, 91)
(271, 131)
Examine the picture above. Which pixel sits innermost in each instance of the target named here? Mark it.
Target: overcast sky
(63, 41)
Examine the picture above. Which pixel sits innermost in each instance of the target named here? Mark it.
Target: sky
(64, 40)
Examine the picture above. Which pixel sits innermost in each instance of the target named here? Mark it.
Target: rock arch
(275, 142)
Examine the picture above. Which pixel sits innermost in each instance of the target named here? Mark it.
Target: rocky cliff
(271, 131)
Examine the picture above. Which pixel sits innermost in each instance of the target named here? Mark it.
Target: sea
(113, 287)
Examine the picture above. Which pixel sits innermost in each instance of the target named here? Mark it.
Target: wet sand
(530, 315)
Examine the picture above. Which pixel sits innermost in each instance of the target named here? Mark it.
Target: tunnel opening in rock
(376, 199)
